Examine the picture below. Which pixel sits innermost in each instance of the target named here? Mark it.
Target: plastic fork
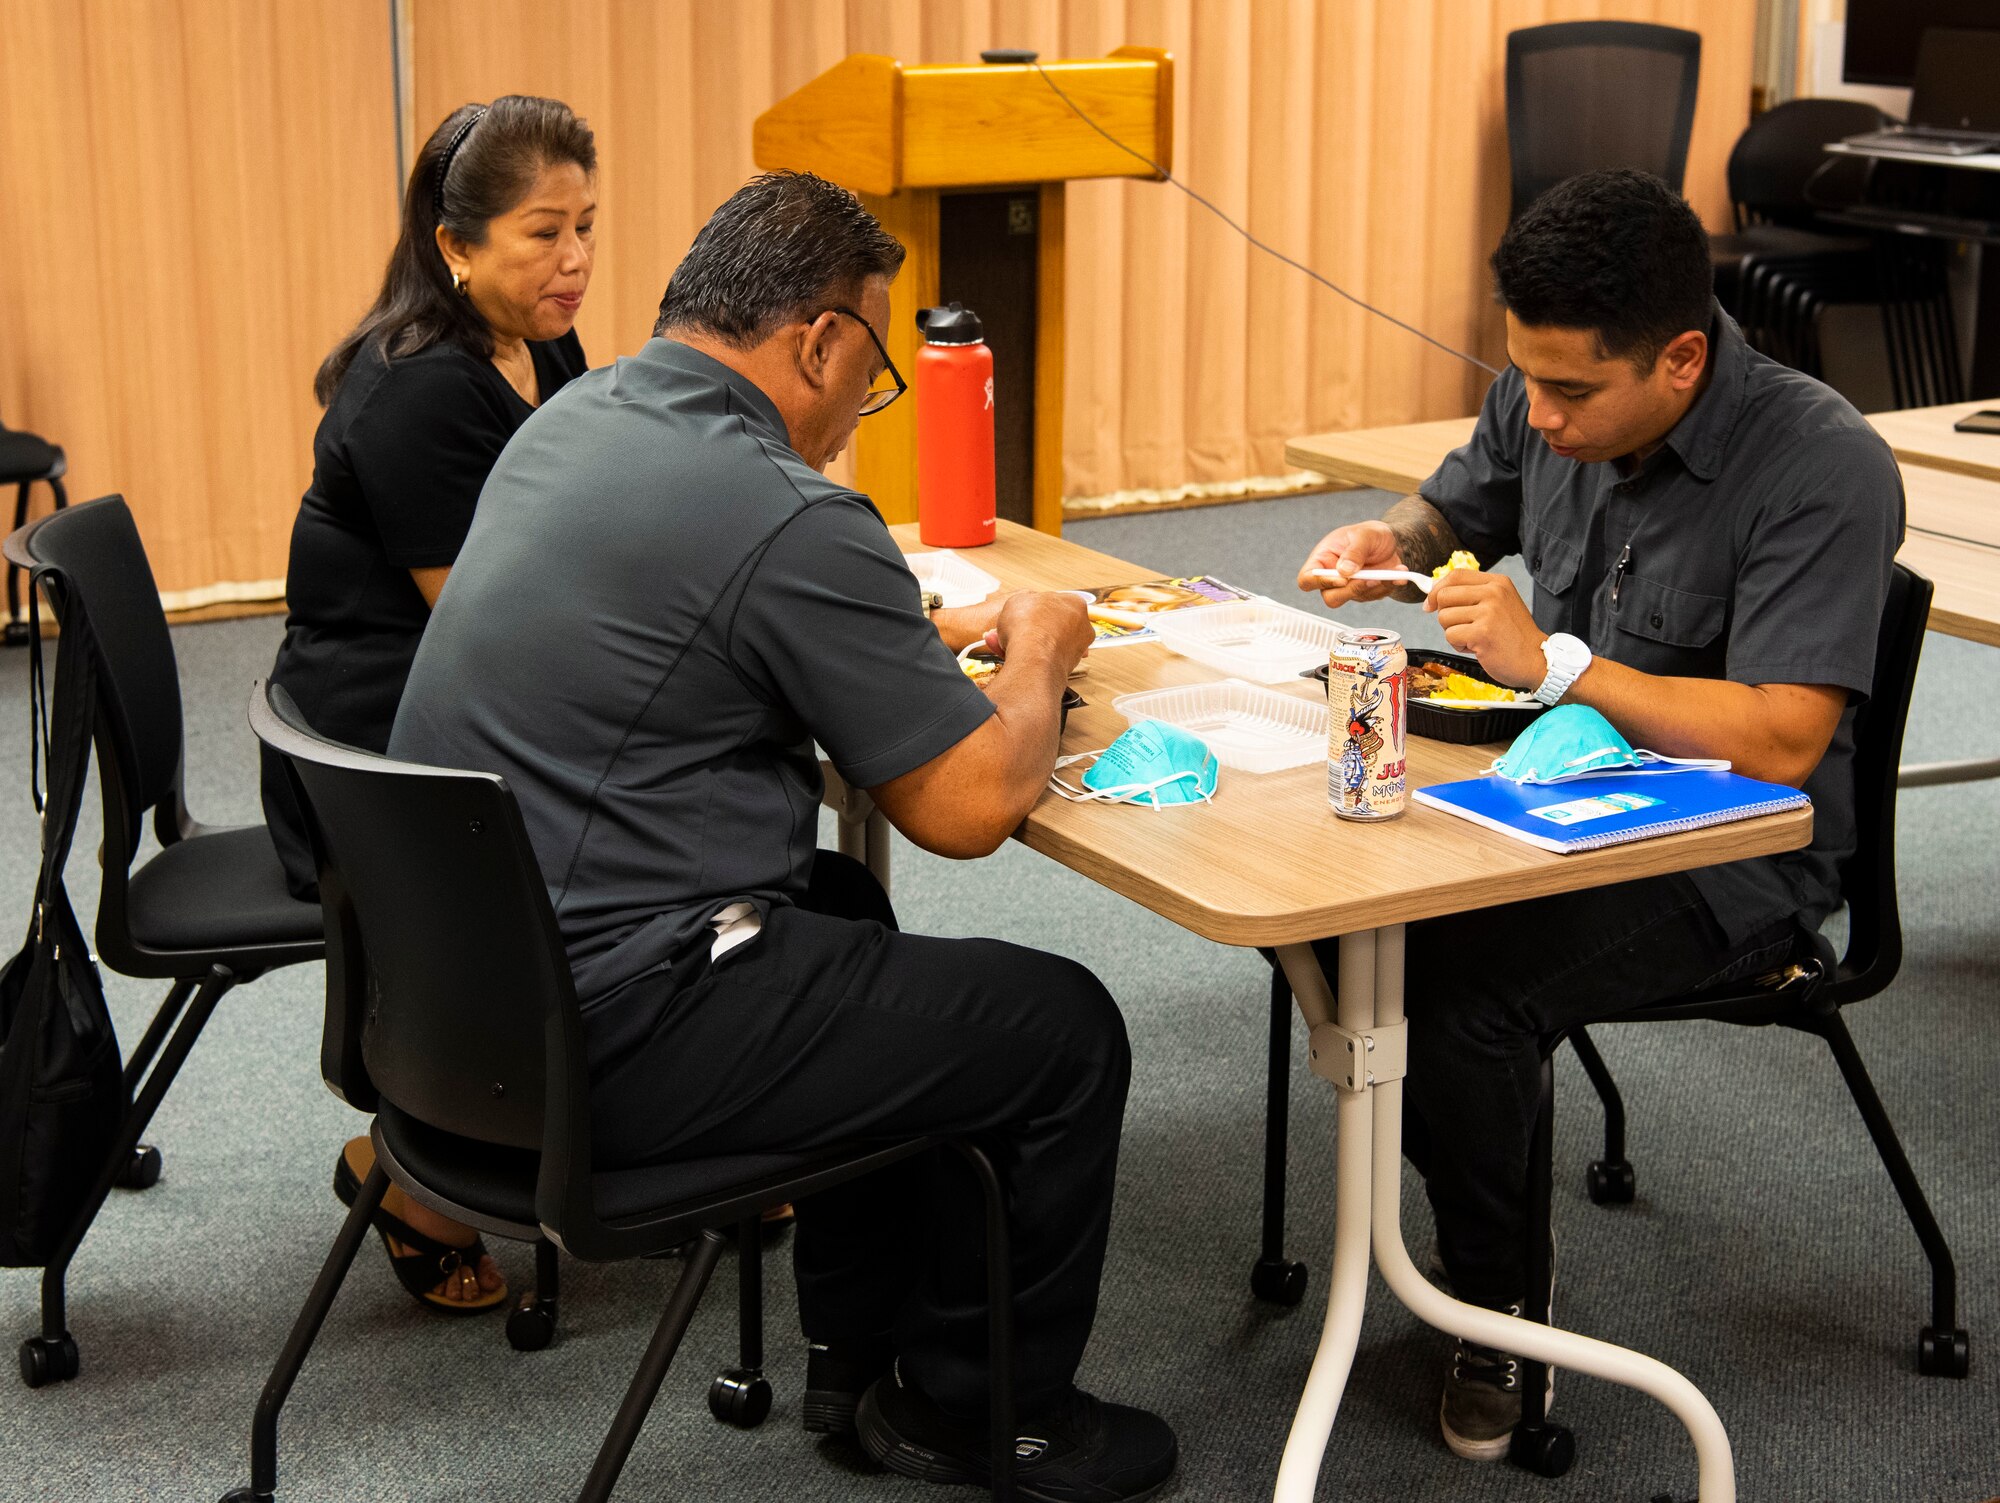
(1408, 576)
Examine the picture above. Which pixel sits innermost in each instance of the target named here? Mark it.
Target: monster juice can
(1367, 689)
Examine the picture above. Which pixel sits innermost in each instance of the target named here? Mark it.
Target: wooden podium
(965, 164)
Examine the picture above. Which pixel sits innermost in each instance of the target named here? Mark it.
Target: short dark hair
(502, 147)
(784, 246)
(1618, 253)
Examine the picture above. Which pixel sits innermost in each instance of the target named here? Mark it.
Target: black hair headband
(451, 150)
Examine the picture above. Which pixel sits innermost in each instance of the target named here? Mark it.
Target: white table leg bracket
(1357, 1059)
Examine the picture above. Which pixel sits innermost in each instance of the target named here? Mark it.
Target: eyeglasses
(878, 397)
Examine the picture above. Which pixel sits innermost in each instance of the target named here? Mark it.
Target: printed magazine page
(1124, 606)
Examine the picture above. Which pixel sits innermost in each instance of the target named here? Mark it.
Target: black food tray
(1459, 727)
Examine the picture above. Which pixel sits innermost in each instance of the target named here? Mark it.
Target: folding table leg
(1275, 1277)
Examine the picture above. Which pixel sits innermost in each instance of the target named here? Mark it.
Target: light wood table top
(1268, 862)
(1953, 535)
(1924, 436)
(1395, 459)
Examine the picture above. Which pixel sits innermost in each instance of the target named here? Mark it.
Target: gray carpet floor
(1766, 1256)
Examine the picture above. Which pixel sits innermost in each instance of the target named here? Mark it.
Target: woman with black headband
(470, 334)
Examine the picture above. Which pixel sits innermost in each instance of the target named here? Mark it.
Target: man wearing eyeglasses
(663, 604)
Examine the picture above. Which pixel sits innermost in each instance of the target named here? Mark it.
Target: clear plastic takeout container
(1255, 639)
(946, 574)
(1249, 728)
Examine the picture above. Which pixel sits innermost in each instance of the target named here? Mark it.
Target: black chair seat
(500, 1182)
(223, 891)
(1781, 240)
(26, 457)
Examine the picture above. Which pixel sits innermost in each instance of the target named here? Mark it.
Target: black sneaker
(836, 1377)
(1076, 1450)
(1482, 1400)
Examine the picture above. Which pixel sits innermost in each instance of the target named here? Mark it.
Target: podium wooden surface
(965, 165)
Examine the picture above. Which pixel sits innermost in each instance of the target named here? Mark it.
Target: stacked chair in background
(1785, 265)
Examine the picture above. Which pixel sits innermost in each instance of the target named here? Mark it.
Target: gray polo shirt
(658, 611)
(1755, 546)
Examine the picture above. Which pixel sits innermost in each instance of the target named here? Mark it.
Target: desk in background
(1268, 863)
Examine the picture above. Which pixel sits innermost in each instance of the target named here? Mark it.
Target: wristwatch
(1567, 657)
(933, 602)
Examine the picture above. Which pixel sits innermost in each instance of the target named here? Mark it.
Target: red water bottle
(954, 430)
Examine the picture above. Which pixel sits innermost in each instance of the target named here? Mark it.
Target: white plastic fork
(1409, 576)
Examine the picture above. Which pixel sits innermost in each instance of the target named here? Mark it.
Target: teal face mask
(1152, 763)
(1574, 741)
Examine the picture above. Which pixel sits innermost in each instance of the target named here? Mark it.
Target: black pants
(829, 1026)
(1479, 989)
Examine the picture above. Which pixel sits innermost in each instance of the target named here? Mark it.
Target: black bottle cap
(954, 323)
(1008, 55)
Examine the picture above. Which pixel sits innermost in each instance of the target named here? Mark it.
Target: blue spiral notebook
(1610, 808)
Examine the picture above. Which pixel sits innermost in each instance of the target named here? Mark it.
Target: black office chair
(1585, 95)
(436, 911)
(26, 460)
(209, 911)
(1781, 177)
(1806, 993)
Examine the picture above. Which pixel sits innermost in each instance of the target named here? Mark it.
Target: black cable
(1166, 176)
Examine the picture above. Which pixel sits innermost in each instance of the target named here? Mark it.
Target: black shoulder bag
(62, 1085)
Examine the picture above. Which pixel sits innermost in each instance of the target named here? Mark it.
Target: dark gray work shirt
(1756, 544)
(659, 609)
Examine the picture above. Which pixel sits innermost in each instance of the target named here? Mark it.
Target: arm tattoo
(1424, 539)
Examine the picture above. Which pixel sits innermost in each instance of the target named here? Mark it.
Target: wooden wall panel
(1366, 137)
(201, 198)
(210, 186)
(1376, 152)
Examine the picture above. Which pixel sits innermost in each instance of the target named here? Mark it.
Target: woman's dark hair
(1618, 253)
(499, 150)
(782, 247)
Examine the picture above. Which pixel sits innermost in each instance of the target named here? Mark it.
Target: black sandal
(424, 1262)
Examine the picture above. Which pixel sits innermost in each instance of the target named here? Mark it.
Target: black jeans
(1480, 989)
(830, 1026)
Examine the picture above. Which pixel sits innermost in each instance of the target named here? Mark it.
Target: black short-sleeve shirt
(1756, 544)
(398, 461)
(659, 610)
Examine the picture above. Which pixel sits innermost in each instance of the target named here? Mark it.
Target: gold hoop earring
(460, 285)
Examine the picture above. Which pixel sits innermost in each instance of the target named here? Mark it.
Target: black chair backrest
(1583, 95)
(1783, 150)
(1868, 877)
(97, 547)
(461, 980)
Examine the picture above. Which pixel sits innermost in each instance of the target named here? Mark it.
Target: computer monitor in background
(1882, 35)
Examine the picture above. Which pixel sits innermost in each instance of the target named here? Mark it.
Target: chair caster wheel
(1545, 1450)
(739, 1396)
(1277, 1282)
(1610, 1183)
(531, 1325)
(142, 1170)
(44, 1361)
(1943, 1354)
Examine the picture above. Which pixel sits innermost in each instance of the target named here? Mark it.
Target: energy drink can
(1367, 695)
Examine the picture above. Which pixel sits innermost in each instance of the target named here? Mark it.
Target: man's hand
(1483, 614)
(967, 799)
(962, 625)
(1051, 625)
(1364, 545)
